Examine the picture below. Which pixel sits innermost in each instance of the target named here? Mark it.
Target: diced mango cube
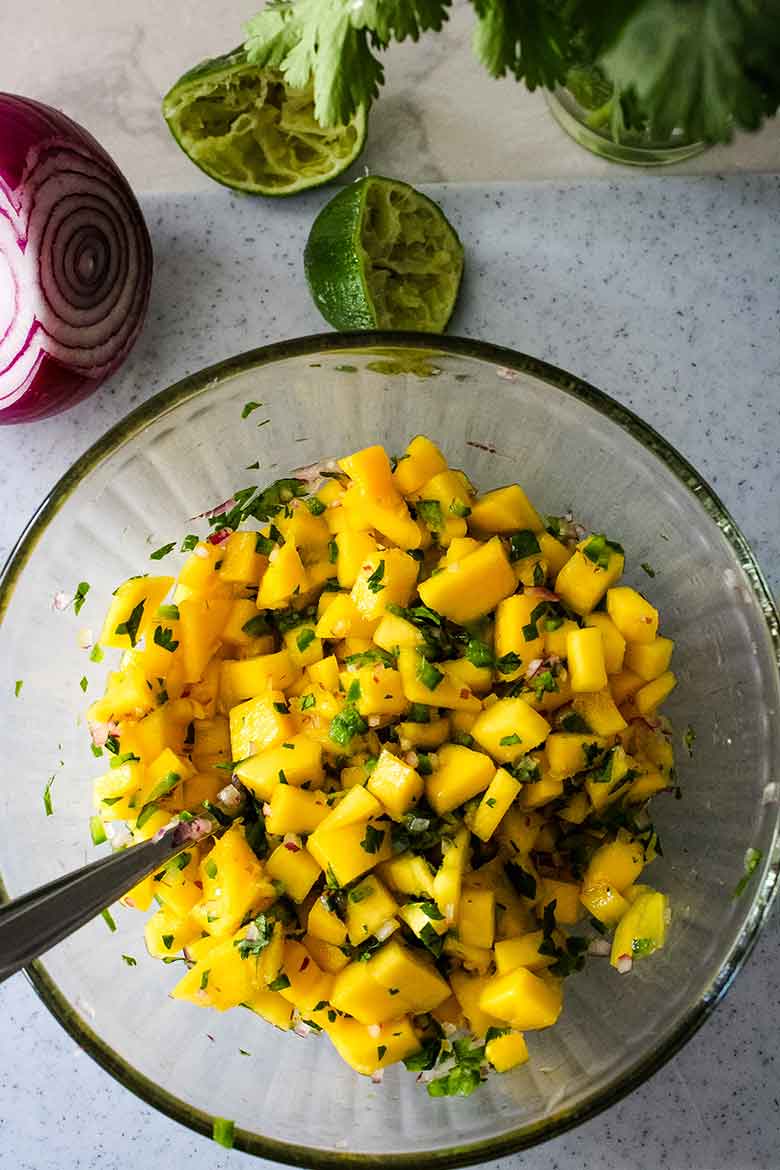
(365, 1050)
(259, 724)
(507, 1051)
(134, 602)
(642, 929)
(618, 863)
(522, 998)
(241, 563)
(384, 577)
(599, 712)
(461, 774)
(343, 619)
(652, 694)
(604, 902)
(420, 462)
(294, 810)
(284, 577)
(397, 785)
(504, 510)
(415, 980)
(325, 924)
(582, 582)
(477, 917)
(522, 951)
(468, 990)
(345, 853)
(247, 678)
(650, 659)
(467, 589)
(635, 618)
(298, 763)
(509, 728)
(234, 882)
(369, 907)
(498, 796)
(295, 869)
(585, 656)
(513, 616)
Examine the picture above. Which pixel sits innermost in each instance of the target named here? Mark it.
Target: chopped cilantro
(347, 724)
(571, 721)
(427, 673)
(510, 740)
(305, 638)
(523, 544)
(464, 1078)
(163, 551)
(264, 928)
(256, 627)
(130, 961)
(429, 511)
(80, 596)
(96, 653)
(333, 551)
(600, 551)
(163, 636)
(432, 911)
(249, 407)
(490, 801)
(479, 653)
(189, 543)
(752, 861)
(523, 881)
(279, 983)
(426, 1058)
(374, 581)
(211, 868)
(204, 980)
(689, 739)
(97, 830)
(18, 687)
(373, 840)
(315, 506)
(508, 663)
(308, 701)
(355, 691)
(131, 624)
(83, 683)
(47, 804)
(223, 1130)
(108, 919)
(369, 657)
(647, 569)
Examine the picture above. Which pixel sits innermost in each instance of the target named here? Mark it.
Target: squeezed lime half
(246, 128)
(381, 255)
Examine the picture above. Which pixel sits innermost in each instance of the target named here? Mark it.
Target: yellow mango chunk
(408, 874)
(652, 694)
(136, 602)
(325, 924)
(302, 646)
(618, 863)
(554, 552)
(417, 916)
(415, 980)
(201, 624)
(384, 577)
(512, 616)
(449, 877)
(359, 994)
(509, 728)
(273, 1008)
(308, 982)
(241, 563)
(247, 678)
(522, 951)
(604, 902)
(599, 712)
(650, 659)
(388, 515)
(642, 929)
(582, 582)
(294, 868)
(325, 673)
(461, 774)
(523, 999)
(343, 619)
(299, 763)
(566, 896)
(166, 935)
(426, 683)
(284, 577)
(585, 656)
(393, 632)
(365, 1050)
(234, 882)
(477, 918)
(370, 468)
(468, 990)
(507, 1051)
(397, 785)
(541, 792)
(499, 795)
(635, 617)
(467, 589)
(369, 907)
(358, 805)
(294, 810)
(419, 463)
(347, 852)
(462, 673)
(504, 510)
(259, 724)
(624, 685)
(423, 735)
(353, 548)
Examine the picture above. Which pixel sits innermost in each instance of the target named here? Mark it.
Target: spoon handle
(36, 921)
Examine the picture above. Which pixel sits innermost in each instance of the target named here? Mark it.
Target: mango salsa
(424, 722)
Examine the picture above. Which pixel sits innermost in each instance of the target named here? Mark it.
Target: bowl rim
(756, 911)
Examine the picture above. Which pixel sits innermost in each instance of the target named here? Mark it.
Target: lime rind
(246, 128)
(382, 255)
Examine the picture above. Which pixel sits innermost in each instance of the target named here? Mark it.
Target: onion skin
(75, 262)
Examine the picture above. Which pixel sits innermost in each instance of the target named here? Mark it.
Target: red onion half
(75, 262)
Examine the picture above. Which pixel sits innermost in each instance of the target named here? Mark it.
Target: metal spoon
(36, 921)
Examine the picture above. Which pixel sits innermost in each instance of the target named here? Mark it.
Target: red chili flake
(218, 536)
(465, 693)
(292, 846)
(305, 963)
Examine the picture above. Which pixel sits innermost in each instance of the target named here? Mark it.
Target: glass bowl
(501, 416)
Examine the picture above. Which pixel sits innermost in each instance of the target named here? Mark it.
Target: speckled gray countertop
(663, 292)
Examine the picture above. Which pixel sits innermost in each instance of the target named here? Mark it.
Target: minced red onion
(378, 1076)
(219, 536)
(599, 946)
(85, 638)
(386, 929)
(217, 510)
(61, 600)
(540, 591)
(301, 1029)
(99, 732)
(624, 964)
(75, 262)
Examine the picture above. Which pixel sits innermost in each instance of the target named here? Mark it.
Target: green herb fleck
(97, 830)
(80, 596)
(308, 701)
(427, 673)
(372, 842)
(223, 1130)
(47, 804)
(315, 506)
(374, 581)
(130, 626)
(510, 740)
(381, 1049)
(163, 636)
(523, 544)
(163, 551)
(189, 543)
(305, 639)
(18, 687)
(279, 983)
(689, 739)
(131, 962)
(752, 861)
(108, 919)
(249, 407)
(96, 653)
(647, 569)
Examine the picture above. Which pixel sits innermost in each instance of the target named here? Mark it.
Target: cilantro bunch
(701, 66)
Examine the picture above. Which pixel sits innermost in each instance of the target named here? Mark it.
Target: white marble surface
(440, 117)
(661, 293)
